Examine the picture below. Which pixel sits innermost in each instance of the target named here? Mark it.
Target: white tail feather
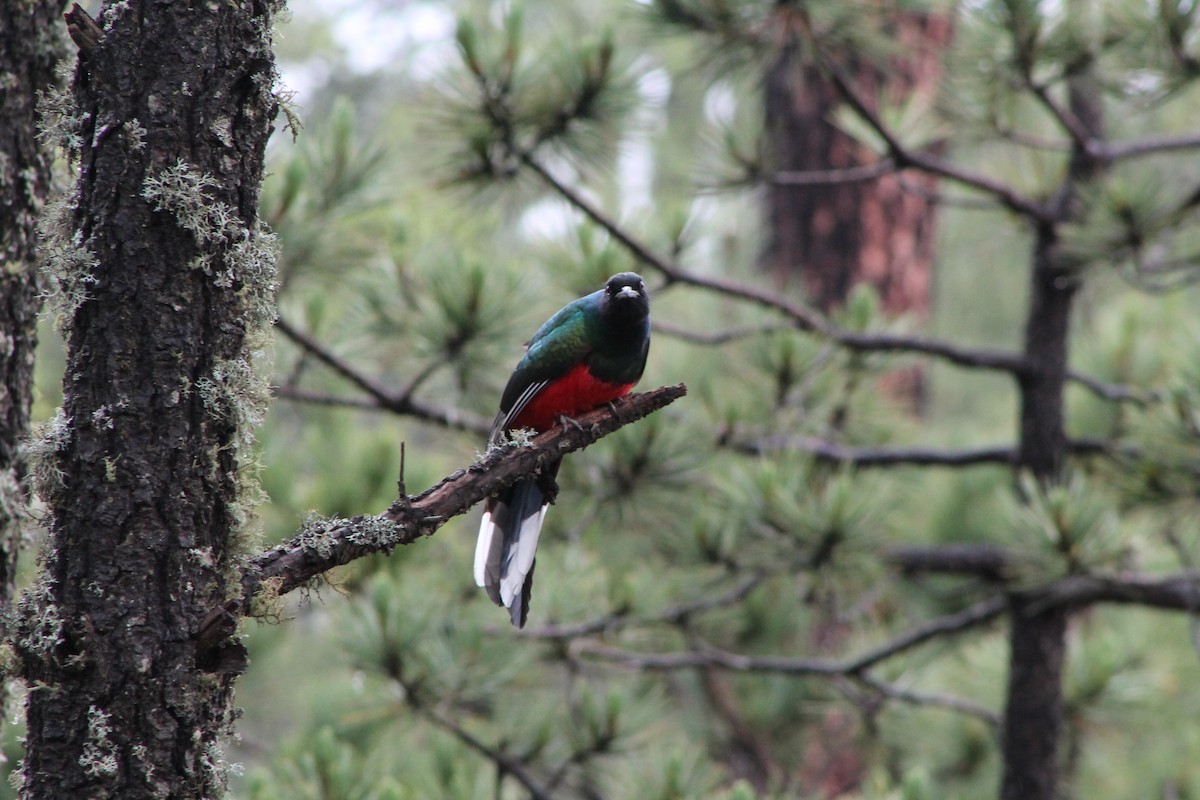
(506, 550)
(521, 562)
(482, 545)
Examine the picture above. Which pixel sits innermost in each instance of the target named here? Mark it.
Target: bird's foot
(566, 421)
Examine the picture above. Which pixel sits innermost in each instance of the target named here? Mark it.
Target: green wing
(560, 344)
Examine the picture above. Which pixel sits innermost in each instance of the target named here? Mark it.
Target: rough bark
(164, 274)
(31, 46)
(29, 52)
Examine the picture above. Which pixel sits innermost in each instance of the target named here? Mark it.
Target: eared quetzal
(590, 353)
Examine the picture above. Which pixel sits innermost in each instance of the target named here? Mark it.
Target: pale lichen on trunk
(31, 47)
(165, 279)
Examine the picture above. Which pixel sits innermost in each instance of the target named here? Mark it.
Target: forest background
(839, 565)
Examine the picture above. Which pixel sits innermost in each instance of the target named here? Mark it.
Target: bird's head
(622, 327)
(627, 291)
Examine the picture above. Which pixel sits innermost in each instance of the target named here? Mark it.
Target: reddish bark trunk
(878, 231)
(836, 234)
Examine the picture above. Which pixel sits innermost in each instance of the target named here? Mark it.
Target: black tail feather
(508, 541)
(519, 612)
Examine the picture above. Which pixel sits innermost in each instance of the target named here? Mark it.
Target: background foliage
(420, 250)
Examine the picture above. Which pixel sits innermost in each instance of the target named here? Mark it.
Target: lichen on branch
(320, 547)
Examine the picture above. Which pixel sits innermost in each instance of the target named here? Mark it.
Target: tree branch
(907, 456)
(935, 699)
(286, 391)
(904, 157)
(83, 30)
(968, 618)
(973, 616)
(715, 337)
(673, 614)
(988, 561)
(1080, 138)
(401, 403)
(333, 361)
(804, 318)
(1177, 591)
(833, 177)
(1115, 392)
(451, 417)
(807, 319)
(1148, 146)
(505, 764)
(320, 548)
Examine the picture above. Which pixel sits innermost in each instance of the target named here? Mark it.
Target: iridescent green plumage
(589, 353)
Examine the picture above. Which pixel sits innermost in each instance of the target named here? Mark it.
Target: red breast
(572, 394)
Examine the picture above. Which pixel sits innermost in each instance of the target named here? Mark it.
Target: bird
(591, 352)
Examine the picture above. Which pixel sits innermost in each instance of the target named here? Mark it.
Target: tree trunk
(29, 54)
(846, 230)
(1033, 713)
(166, 280)
(837, 233)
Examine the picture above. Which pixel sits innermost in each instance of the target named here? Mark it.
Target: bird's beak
(628, 292)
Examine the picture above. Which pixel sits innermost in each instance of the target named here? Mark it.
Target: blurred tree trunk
(30, 49)
(835, 234)
(162, 262)
(1033, 712)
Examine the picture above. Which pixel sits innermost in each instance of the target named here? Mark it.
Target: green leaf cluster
(421, 252)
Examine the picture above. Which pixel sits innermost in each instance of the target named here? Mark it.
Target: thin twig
(401, 403)
(935, 699)
(674, 614)
(945, 200)
(716, 337)
(833, 177)
(298, 395)
(1112, 391)
(331, 360)
(1149, 146)
(1080, 138)
(422, 375)
(973, 616)
(817, 177)
(505, 764)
